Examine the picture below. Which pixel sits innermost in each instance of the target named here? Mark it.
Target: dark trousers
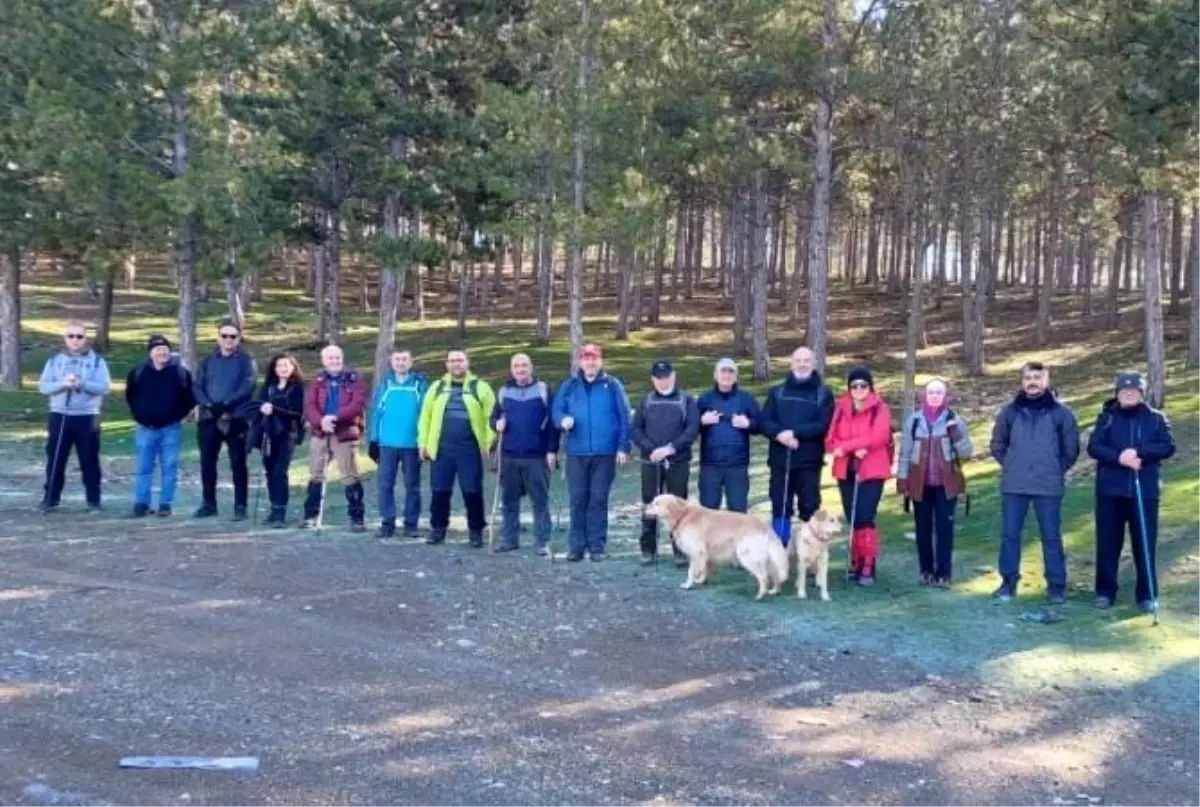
(210, 438)
(733, 482)
(865, 505)
(276, 462)
(934, 519)
(803, 494)
(1048, 509)
(392, 462)
(466, 464)
(656, 479)
(590, 480)
(525, 476)
(1113, 514)
(64, 432)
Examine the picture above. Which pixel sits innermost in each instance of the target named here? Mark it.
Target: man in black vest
(664, 427)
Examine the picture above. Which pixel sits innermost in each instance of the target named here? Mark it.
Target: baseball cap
(1130, 381)
(590, 349)
(661, 369)
(727, 364)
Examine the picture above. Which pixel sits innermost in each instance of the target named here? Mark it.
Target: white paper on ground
(196, 763)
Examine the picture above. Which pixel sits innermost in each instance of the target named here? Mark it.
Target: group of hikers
(458, 424)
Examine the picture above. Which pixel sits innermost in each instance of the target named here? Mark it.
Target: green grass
(961, 630)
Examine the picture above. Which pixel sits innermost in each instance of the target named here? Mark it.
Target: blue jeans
(1048, 509)
(735, 482)
(161, 445)
(591, 480)
(394, 461)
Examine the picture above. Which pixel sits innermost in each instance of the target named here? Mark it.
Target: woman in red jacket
(860, 440)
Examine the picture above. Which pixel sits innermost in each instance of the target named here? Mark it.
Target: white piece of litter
(192, 763)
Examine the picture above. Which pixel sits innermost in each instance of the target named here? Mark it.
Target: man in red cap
(591, 407)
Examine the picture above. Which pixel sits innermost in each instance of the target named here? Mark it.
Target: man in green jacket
(454, 434)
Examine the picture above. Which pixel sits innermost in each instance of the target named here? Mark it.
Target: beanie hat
(157, 340)
(1130, 381)
(860, 374)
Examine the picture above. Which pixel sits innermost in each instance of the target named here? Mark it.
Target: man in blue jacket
(392, 434)
(1036, 441)
(592, 408)
(728, 416)
(796, 418)
(528, 452)
(1128, 442)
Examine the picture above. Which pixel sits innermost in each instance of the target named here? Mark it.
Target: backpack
(470, 388)
(956, 460)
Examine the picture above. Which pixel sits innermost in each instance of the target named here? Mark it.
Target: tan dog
(810, 547)
(711, 538)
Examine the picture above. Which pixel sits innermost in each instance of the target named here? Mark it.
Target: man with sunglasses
(75, 380)
(1036, 441)
(224, 384)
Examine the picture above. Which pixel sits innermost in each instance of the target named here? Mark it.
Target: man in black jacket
(159, 394)
(728, 417)
(1036, 441)
(795, 418)
(1128, 442)
(664, 427)
(224, 385)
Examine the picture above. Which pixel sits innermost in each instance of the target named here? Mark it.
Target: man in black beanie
(1128, 442)
(159, 394)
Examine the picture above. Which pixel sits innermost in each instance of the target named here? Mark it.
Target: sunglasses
(75, 336)
(229, 336)
(860, 385)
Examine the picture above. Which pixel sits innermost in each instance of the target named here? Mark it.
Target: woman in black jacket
(281, 411)
(1129, 442)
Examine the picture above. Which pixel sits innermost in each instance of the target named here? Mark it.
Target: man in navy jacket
(1128, 442)
(592, 408)
(528, 452)
(728, 416)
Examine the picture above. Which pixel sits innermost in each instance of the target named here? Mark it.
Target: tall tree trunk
(10, 319)
(696, 234)
(1051, 252)
(333, 278)
(397, 232)
(782, 251)
(967, 282)
(318, 260)
(579, 137)
(1193, 273)
(726, 251)
(679, 256)
(130, 267)
(738, 276)
(1153, 220)
(233, 289)
(624, 289)
(1112, 309)
(660, 248)
(1177, 224)
(518, 261)
(915, 324)
(799, 259)
(872, 276)
(639, 289)
(1193, 256)
(818, 241)
(689, 255)
(758, 279)
(185, 230)
(466, 283)
(104, 323)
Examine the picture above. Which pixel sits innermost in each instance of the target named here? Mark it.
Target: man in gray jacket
(76, 381)
(1035, 440)
(223, 385)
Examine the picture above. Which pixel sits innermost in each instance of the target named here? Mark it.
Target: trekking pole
(62, 426)
(495, 494)
(659, 473)
(562, 498)
(787, 496)
(1145, 542)
(853, 516)
(327, 451)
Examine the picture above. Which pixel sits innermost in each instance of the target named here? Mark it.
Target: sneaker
(164, 511)
(239, 513)
(140, 511)
(357, 526)
(941, 582)
(386, 530)
(308, 524)
(1102, 603)
(436, 537)
(649, 558)
(1147, 606)
(412, 532)
(543, 551)
(475, 540)
(574, 557)
(206, 510)
(925, 579)
(597, 557)
(1005, 592)
(1057, 595)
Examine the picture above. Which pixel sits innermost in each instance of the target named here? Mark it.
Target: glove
(373, 451)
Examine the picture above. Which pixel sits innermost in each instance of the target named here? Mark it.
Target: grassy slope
(960, 630)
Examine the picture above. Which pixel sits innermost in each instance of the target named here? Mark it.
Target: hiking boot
(387, 529)
(507, 548)
(140, 511)
(475, 539)
(239, 512)
(277, 518)
(412, 532)
(597, 557)
(1147, 606)
(1057, 595)
(164, 511)
(206, 510)
(436, 537)
(941, 582)
(649, 559)
(925, 579)
(357, 526)
(1006, 591)
(308, 524)
(543, 551)
(47, 508)
(574, 557)
(1102, 603)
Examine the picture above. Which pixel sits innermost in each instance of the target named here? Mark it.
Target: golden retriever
(718, 537)
(810, 547)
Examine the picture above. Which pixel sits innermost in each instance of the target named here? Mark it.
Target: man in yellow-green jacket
(454, 434)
